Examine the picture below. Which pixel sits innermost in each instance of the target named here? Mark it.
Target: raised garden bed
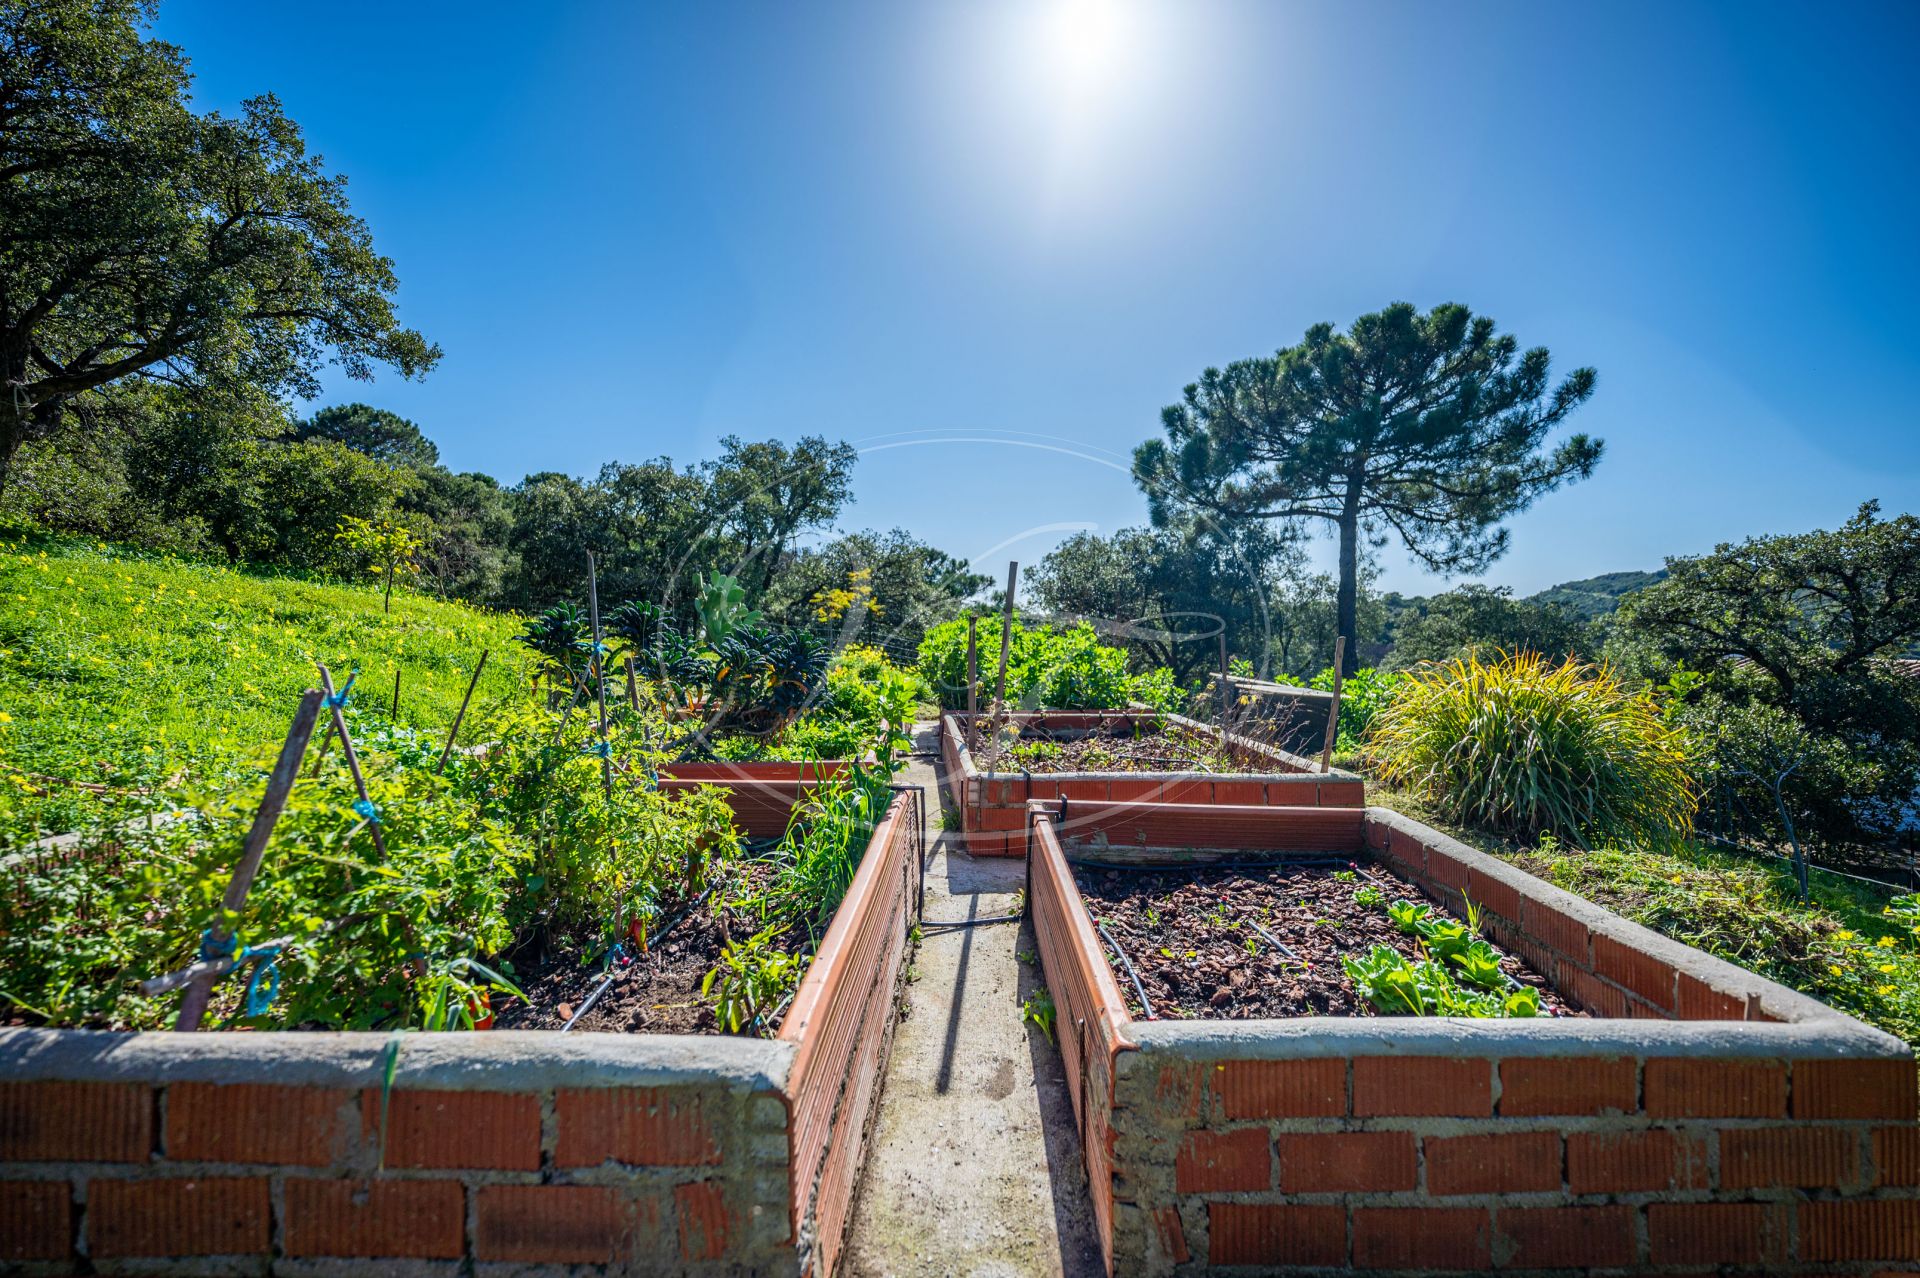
(1698, 1116)
(1143, 756)
(629, 1153)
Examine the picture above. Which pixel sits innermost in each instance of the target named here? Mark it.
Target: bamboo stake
(353, 758)
(973, 676)
(286, 770)
(1333, 713)
(599, 674)
(633, 686)
(1006, 642)
(395, 716)
(1226, 690)
(472, 683)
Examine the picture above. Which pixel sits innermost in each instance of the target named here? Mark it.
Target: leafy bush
(1525, 747)
(1046, 669)
(1362, 695)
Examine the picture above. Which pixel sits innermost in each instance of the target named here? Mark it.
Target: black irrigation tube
(1092, 863)
(1145, 1005)
(613, 972)
(1275, 942)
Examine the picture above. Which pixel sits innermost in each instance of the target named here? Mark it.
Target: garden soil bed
(657, 992)
(1113, 747)
(1190, 936)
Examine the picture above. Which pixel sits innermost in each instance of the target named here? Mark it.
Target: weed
(1038, 1010)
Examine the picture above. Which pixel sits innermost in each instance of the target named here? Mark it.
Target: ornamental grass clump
(1526, 747)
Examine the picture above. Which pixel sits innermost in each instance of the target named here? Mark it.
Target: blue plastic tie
(338, 701)
(365, 808)
(211, 949)
(599, 749)
(266, 980)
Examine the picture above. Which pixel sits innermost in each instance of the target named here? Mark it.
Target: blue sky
(988, 241)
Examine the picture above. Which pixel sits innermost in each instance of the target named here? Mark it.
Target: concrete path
(974, 1167)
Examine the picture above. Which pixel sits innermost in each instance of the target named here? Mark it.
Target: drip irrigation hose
(613, 972)
(1275, 941)
(1132, 975)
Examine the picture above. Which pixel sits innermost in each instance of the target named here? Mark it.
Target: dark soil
(656, 992)
(1190, 936)
(1174, 748)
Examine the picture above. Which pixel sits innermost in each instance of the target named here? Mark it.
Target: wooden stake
(286, 770)
(471, 685)
(1226, 689)
(633, 686)
(353, 759)
(395, 716)
(1006, 642)
(1333, 713)
(599, 674)
(973, 675)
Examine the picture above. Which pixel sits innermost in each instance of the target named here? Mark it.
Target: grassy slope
(126, 670)
(1840, 947)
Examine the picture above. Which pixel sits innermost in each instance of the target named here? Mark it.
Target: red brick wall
(993, 810)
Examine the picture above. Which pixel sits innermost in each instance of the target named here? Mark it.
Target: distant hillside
(1597, 596)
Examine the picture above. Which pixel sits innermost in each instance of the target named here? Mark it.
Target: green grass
(1840, 946)
(129, 671)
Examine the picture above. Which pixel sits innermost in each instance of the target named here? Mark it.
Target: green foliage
(1037, 1010)
(1362, 696)
(389, 548)
(1487, 620)
(373, 432)
(1849, 946)
(1526, 747)
(722, 608)
(862, 582)
(823, 846)
(1397, 986)
(1431, 425)
(140, 238)
(1796, 636)
(1046, 668)
(751, 980)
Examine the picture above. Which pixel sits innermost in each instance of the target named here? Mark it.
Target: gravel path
(974, 1166)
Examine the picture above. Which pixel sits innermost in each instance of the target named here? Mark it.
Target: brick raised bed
(993, 808)
(256, 1152)
(761, 794)
(1708, 1118)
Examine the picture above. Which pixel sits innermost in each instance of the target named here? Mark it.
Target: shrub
(1362, 695)
(1527, 748)
(1046, 669)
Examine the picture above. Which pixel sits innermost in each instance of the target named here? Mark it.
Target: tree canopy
(140, 239)
(1429, 427)
(380, 434)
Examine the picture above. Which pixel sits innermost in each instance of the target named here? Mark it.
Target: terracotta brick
(1342, 794)
(1493, 1163)
(1566, 1237)
(1855, 1089)
(638, 1126)
(1273, 1234)
(1802, 1157)
(1346, 1162)
(1222, 1162)
(179, 1217)
(1422, 1238)
(1497, 899)
(1560, 931)
(704, 1222)
(1292, 792)
(1635, 969)
(1409, 851)
(1170, 1235)
(36, 1220)
(1008, 819)
(1699, 1001)
(1283, 1089)
(1896, 1155)
(424, 1218)
(1134, 789)
(1536, 1085)
(1630, 1161)
(443, 1129)
(557, 1224)
(1431, 1086)
(1084, 790)
(1591, 993)
(76, 1122)
(1179, 1088)
(1885, 1230)
(256, 1123)
(1716, 1088)
(1247, 792)
(1447, 869)
(1716, 1233)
